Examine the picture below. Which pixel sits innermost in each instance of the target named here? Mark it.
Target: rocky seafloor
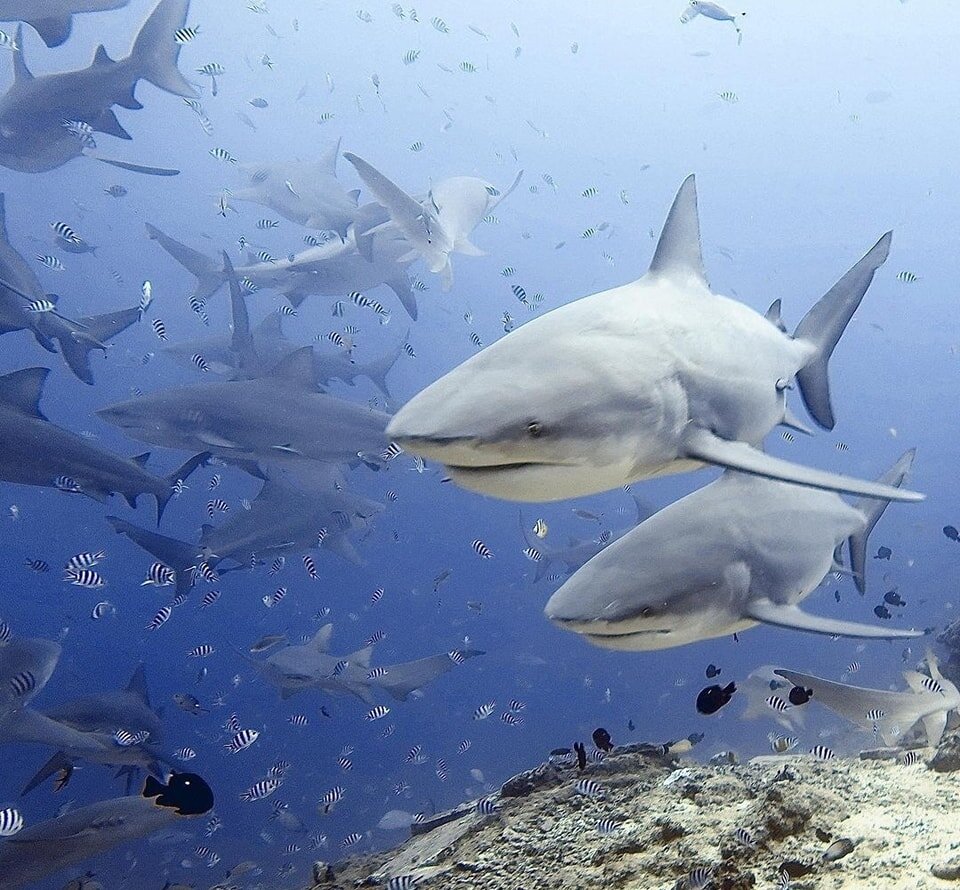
(780, 821)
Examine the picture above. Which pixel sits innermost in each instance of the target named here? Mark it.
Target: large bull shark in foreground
(52, 19)
(33, 136)
(658, 376)
(739, 552)
(38, 452)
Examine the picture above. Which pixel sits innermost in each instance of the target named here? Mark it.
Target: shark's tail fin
(155, 52)
(178, 555)
(98, 329)
(178, 475)
(209, 274)
(822, 326)
(402, 679)
(377, 370)
(872, 510)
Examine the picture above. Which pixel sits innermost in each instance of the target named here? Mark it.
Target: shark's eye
(646, 612)
(535, 429)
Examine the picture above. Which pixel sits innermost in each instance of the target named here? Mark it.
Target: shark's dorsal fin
(296, 369)
(138, 685)
(329, 159)
(141, 459)
(100, 58)
(361, 657)
(321, 639)
(678, 254)
(354, 195)
(22, 390)
(20, 69)
(271, 328)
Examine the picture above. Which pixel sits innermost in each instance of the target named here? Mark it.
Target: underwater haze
(252, 240)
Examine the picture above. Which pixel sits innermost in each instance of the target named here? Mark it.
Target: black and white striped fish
(345, 763)
(909, 758)
(51, 262)
(267, 223)
(403, 882)
(607, 825)
(84, 578)
(204, 650)
(932, 685)
(85, 560)
(310, 567)
(464, 746)
(37, 565)
(126, 739)
(185, 754)
(484, 710)
(743, 837)
(511, 719)
(456, 656)
(242, 740)
(481, 549)
(277, 565)
(217, 505)
(376, 673)
(441, 769)
(376, 713)
(67, 484)
(351, 839)
(200, 362)
(10, 821)
(376, 596)
(329, 799)
(263, 788)
(822, 752)
(875, 714)
(589, 788)
(698, 878)
(532, 554)
(101, 610)
(185, 35)
(298, 720)
(221, 154)
(159, 328)
(376, 637)
(22, 684)
(209, 598)
(275, 598)
(5, 633)
(160, 575)
(62, 230)
(161, 618)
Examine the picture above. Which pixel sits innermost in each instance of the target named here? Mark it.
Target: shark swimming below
(657, 376)
(53, 19)
(33, 137)
(739, 552)
(38, 452)
(77, 338)
(294, 669)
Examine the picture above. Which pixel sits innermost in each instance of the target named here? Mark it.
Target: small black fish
(695, 738)
(883, 553)
(713, 698)
(189, 794)
(601, 738)
(712, 671)
(799, 695)
(324, 711)
(836, 595)
(951, 533)
(776, 684)
(894, 598)
(631, 725)
(882, 611)
(581, 755)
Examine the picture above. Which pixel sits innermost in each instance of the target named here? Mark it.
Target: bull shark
(45, 848)
(52, 19)
(99, 717)
(333, 269)
(304, 192)
(38, 452)
(891, 714)
(280, 418)
(33, 137)
(658, 376)
(294, 669)
(77, 338)
(739, 552)
(253, 352)
(442, 223)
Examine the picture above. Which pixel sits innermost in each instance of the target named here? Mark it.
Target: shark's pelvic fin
(709, 448)
(825, 322)
(678, 255)
(22, 390)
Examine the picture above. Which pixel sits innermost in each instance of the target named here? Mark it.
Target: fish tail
(155, 52)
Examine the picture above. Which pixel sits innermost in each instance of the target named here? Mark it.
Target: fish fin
(328, 160)
(152, 787)
(341, 545)
(468, 248)
(53, 29)
(58, 762)
(4, 236)
(137, 685)
(934, 725)
(823, 325)
(20, 70)
(768, 612)
(397, 202)
(104, 327)
(361, 657)
(678, 255)
(181, 472)
(141, 459)
(135, 168)
(101, 58)
(705, 446)
(791, 421)
(872, 511)
(108, 123)
(22, 390)
(773, 316)
(401, 287)
(155, 52)
(505, 194)
(241, 343)
(321, 639)
(354, 195)
(377, 370)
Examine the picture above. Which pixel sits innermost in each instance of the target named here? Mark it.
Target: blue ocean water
(822, 129)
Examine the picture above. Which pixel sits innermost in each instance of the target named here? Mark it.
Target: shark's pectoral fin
(136, 168)
(468, 248)
(108, 123)
(935, 724)
(791, 421)
(53, 30)
(768, 612)
(55, 764)
(703, 445)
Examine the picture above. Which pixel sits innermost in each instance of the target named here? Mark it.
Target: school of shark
(413, 360)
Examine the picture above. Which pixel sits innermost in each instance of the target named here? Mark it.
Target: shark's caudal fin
(408, 299)
(155, 52)
(377, 370)
(825, 322)
(872, 511)
(179, 474)
(209, 275)
(98, 329)
(180, 556)
(402, 679)
(678, 255)
(700, 444)
(241, 344)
